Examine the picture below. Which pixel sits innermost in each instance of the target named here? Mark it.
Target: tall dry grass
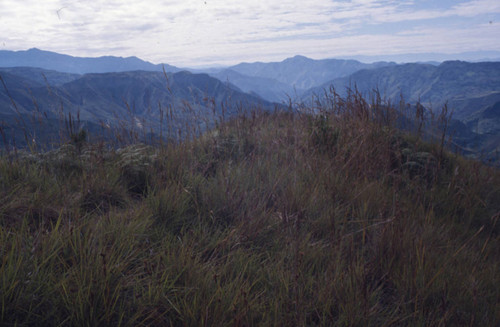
(329, 215)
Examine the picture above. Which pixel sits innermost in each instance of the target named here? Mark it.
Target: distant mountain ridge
(140, 99)
(290, 78)
(302, 72)
(40, 75)
(466, 87)
(77, 65)
(266, 88)
(429, 57)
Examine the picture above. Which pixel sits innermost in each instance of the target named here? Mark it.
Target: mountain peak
(298, 58)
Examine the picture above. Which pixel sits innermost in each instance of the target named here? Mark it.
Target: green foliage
(270, 220)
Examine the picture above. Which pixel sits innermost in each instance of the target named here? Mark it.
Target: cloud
(183, 31)
(476, 7)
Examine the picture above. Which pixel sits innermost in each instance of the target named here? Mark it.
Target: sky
(190, 33)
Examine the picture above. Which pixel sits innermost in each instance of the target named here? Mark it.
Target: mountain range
(102, 90)
(140, 100)
(471, 91)
(303, 73)
(466, 87)
(290, 78)
(275, 81)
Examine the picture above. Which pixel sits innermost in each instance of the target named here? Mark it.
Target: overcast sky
(204, 32)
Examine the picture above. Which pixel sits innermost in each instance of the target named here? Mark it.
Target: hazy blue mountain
(486, 121)
(141, 92)
(19, 88)
(97, 96)
(139, 100)
(267, 88)
(467, 87)
(77, 65)
(429, 57)
(302, 72)
(41, 76)
(275, 81)
(486, 124)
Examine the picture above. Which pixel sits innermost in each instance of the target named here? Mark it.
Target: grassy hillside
(272, 219)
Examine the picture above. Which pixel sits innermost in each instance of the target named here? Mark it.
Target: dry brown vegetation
(333, 217)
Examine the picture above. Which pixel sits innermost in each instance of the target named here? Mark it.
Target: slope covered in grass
(270, 220)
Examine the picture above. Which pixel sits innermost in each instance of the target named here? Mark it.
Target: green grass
(270, 220)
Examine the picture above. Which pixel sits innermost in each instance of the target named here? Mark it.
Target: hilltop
(281, 218)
